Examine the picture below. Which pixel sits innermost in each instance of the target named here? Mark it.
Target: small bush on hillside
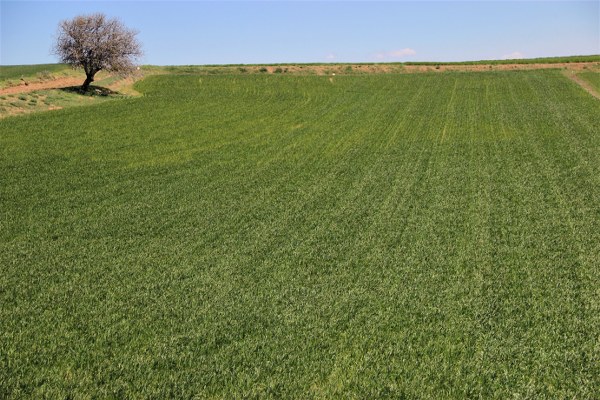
(278, 70)
(263, 69)
(45, 75)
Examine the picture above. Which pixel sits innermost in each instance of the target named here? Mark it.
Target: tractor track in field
(581, 82)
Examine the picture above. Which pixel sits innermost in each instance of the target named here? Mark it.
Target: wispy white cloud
(513, 56)
(402, 53)
(330, 57)
(395, 54)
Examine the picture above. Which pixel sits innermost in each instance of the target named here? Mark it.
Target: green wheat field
(267, 236)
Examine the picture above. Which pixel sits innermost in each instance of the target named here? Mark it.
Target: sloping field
(418, 236)
(18, 71)
(22, 76)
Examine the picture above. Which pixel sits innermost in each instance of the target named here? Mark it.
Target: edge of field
(53, 86)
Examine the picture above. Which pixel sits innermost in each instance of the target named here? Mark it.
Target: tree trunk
(86, 84)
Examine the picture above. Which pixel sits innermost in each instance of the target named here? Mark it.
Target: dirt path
(52, 84)
(581, 82)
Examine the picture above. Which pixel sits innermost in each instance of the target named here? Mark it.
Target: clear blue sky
(202, 32)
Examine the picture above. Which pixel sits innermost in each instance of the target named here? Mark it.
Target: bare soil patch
(122, 83)
(51, 84)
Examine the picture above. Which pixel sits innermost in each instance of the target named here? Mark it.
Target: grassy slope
(18, 71)
(431, 235)
(44, 100)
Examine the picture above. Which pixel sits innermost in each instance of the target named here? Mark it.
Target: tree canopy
(95, 42)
